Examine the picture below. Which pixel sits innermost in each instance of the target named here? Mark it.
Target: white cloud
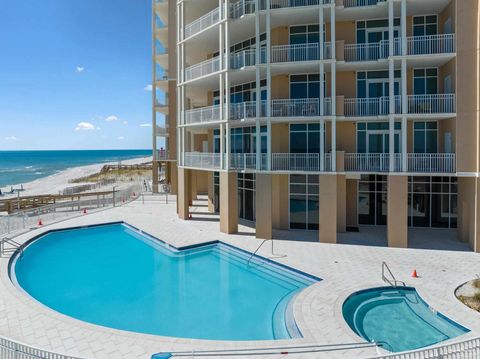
(11, 138)
(125, 122)
(80, 69)
(85, 126)
(146, 125)
(148, 87)
(111, 118)
(121, 138)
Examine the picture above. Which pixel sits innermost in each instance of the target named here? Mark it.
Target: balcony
(161, 131)
(300, 162)
(202, 23)
(416, 162)
(203, 115)
(203, 68)
(162, 155)
(279, 4)
(430, 44)
(360, 3)
(247, 110)
(417, 105)
(300, 52)
(305, 107)
(202, 160)
(246, 58)
(161, 107)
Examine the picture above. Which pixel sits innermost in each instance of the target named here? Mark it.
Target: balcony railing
(371, 162)
(373, 106)
(246, 110)
(300, 52)
(203, 22)
(203, 68)
(243, 59)
(302, 162)
(431, 44)
(303, 107)
(161, 155)
(431, 162)
(359, 3)
(241, 8)
(203, 115)
(202, 160)
(431, 104)
(277, 4)
(365, 52)
(247, 161)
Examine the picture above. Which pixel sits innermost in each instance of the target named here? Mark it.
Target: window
(305, 34)
(425, 25)
(425, 81)
(425, 137)
(372, 84)
(305, 138)
(372, 200)
(373, 31)
(304, 212)
(243, 92)
(243, 139)
(374, 137)
(306, 86)
(246, 196)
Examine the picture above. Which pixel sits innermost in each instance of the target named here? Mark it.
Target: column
(391, 75)
(397, 211)
(469, 211)
(258, 94)
(228, 202)
(263, 206)
(211, 193)
(333, 87)
(227, 87)
(154, 176)
(403, 22)
(183, 196)
(269, 87)
(327, 208)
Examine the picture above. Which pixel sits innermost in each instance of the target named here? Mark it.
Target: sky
(75, 74)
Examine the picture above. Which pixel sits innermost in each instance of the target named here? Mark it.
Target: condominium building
(322, 115)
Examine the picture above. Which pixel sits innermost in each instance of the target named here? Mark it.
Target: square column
(183, 196)
(228, 202)
(211, 192)
(263, 206)
(397, 211)
(154, 176)
(341, 203)
(327, 208)
(469, 211)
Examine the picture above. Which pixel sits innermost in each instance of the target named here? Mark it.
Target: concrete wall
(280, 205)
(397, 211)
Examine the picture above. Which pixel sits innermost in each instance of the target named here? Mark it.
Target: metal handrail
(14, 244)
(258, 248)
(385, 279)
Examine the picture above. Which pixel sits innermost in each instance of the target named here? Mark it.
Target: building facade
(322, 115)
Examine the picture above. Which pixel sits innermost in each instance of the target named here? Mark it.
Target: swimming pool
(398, 319)
(116, 276)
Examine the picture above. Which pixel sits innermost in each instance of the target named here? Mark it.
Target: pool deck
(344, 268)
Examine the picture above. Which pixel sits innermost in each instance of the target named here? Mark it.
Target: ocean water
(17, 167)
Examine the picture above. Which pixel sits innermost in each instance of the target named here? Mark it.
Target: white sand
(58, 182)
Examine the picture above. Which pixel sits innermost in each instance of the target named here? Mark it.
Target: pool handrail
(393, 282)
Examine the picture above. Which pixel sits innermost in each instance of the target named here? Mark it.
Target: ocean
(18, 167)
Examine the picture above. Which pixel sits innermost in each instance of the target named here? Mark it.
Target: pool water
(115, 276)
(398, 319)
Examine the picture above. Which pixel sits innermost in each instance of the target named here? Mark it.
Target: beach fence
(69, 207)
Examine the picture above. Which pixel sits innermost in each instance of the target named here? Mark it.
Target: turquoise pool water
(398, 319)
(115, 276)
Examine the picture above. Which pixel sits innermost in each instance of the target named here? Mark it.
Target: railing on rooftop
(300, 52)
(203, 22)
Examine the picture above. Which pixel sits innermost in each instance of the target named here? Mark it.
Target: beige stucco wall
(341, 204)
(346, 84)
(467, 124)
(327, 208)
(469, 212)
(280, 35)
(280, 205)
(445, 126)
(228, 202)
(280, 138)
(184, 190)
(263, 206)
(397, 211)
(449, 69)
(280, 87)
(352, 202)
(448, 12)
(344, 30)
(346, 136)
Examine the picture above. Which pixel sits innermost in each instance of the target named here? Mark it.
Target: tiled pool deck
(344, 268)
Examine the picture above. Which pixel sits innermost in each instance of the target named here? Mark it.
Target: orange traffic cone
(40, 223)
(414, 274)
(84, 211)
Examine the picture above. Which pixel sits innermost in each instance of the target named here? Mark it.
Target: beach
(56, 183)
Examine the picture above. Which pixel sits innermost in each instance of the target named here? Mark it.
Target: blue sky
(73, 74)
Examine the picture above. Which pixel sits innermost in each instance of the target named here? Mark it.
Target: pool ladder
(392, 281)
(260, 246)
(9, 246)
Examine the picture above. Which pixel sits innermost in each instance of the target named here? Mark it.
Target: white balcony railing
(303, 162)
(161, 155)
(431, 104)
(247, 161)
(431, 162)
(371, 162)
(371, 106)
(359, 3)
(277, 4)
(431, 44)
(246, 110)
(202, 160)
(241, 8)
(300, 52)
(242, 59)
(203, 68)
(203, 115)
(365, 52)
(203, 22)
(304, 107)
